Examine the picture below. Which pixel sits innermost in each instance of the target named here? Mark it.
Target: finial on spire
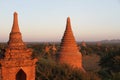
(68, 24)
(15, 13)
(68, 19)
(15, 27)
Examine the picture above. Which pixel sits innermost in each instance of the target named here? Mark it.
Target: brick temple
(17, 63)
(69, 51)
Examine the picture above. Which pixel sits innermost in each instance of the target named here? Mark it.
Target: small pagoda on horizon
(69, 51)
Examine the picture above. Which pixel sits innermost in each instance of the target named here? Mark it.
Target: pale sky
(45, 20)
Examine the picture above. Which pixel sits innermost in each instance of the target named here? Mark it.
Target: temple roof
(68, 38)
(15, 37)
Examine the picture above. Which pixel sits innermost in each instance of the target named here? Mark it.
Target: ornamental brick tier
(69, 52)
(17, 62)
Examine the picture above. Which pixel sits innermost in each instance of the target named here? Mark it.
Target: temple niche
(17, 62)
(69, 51)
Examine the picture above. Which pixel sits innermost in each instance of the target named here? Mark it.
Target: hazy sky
(45, 20)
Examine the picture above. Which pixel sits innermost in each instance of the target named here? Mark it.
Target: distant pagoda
(17, 62)
(83, 44)
(69, 52)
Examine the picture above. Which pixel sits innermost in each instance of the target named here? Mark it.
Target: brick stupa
(69, 52)
(83, 44)
(17, 62)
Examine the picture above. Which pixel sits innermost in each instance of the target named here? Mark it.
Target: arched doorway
(21, 75)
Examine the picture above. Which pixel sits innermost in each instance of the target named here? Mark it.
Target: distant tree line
(48, 69)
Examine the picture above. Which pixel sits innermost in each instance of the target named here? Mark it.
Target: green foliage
(110, 65)
(47, 69)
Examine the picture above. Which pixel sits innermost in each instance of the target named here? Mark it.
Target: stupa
(69, 52)
(98, 44)
(54, 49)
(47, 49)
(17, 62)
(83, 44)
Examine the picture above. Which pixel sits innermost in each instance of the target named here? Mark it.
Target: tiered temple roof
(69, 52)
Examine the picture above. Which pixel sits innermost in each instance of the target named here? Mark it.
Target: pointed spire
(68, 25)
(15, 38)
(69, 51)
(15, 27)
(68, 35)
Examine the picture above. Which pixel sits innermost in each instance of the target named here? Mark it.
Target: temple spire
(69, 52)
(68, 25)
(17, 58)
(15, 27)
(15, 37)
(68, 35)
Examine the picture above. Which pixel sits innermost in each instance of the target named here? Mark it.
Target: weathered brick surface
(69, 52)
(17, 63)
